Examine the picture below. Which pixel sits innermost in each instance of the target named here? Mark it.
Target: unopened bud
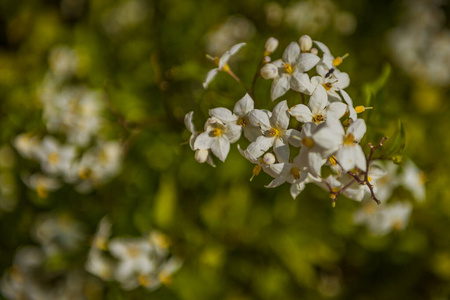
(305, 43)
(269, 71)
(266, 59)
(269, 158)
(271, 45)
(201, 155)
(314, 51)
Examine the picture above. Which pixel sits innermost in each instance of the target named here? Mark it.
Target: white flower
(287, 172)
(382, 219)
(318, 108)
(55, 159)
(291, 72)
(222, 63)
(134, 260)
(42, 184)
(239, 117)
(349, 154)
(199, 154)
(310, 152)
(275, 132)
(26, 144)
(217, 137)
(413, 180)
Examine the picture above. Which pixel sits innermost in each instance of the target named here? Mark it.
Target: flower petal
(358, 129)
(318, 100)
(301, 112)
(259, 118)
(233, 132)
(291, 53)
(189, 123)
(280, 86)
(300, 82)
(209, 77)
(203, 141)
(223, 114)
(294, 137)
(259, 147)
(307, 61)
(244, 106)
(280, 115)
(343, 80)
(220, 147)
(281, 149)
(336, 110)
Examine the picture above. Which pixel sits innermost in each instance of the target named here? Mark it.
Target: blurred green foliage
(238, 240)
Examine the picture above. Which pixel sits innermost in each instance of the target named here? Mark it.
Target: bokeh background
(145, 61)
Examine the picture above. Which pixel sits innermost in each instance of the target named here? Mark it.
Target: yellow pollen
(359, 109)
(84, 173)
(288, 68)
(333, 161)
(295, 173)
(242, 122)
(256, 171)
(53, 158)
(165, 278)
(42, 191)
(318, 118)
(306, 141)
(274, 132)
(338, 60)
(133, 251)
(101, 243)
(226, 68)
(369, 178)
(349, 139)
(397, 225)
(144, 280)
(327, 86)
(216, 132)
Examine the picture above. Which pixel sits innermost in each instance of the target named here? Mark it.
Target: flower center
(349, 139)
(53, 158)
(42, 191)
(216, 132)
(318, 118)
(295, 173)
(327, 86)
(274, 132)
(288, 68)
(242, 122)
(306, 141)
(144, 280)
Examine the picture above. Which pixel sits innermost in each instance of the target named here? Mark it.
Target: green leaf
(394, 146)
(372, 88)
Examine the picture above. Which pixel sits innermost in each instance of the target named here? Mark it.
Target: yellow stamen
(84, 173)
(397, 225)
(226, 68)
(306, 141)
(318, 118)
(360, 109)
(369, 178)
(165, 278)
(144, 280)
(216, 132)
(338, 60)
(101, 243)
(327, 86)
(42, 191)
(53, 158)
(333, 161)
(349, 139)
(288, 68)
(242, 122)
(133, 251)
(256, 171)
(295, 173)
(274, 132)
(216, 61)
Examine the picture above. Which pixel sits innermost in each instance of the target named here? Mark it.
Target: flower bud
(314, 51)
(305, 42)
(269, 71)
(271, 45)
(201, 155)
(267, 59)
(269, 158)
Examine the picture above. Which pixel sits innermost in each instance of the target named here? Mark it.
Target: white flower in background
(382, 219)
(221, 63)
(217, 137)
(134, 256)
(275, 133)
(124, 17)
(63, 62)
(291, 72)
(387, 180)
(413, 180)
(55, 159)
(42, 184)
(318, 108)
(333, 137)
(235, 29)
(26, 144)
(239, 116)
(98, 263)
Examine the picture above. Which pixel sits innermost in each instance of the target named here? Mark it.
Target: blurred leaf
(165, 201)
(372, 88)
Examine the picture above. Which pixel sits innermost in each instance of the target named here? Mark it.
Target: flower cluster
(139, 261)
(85, 158)
(324, 145)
